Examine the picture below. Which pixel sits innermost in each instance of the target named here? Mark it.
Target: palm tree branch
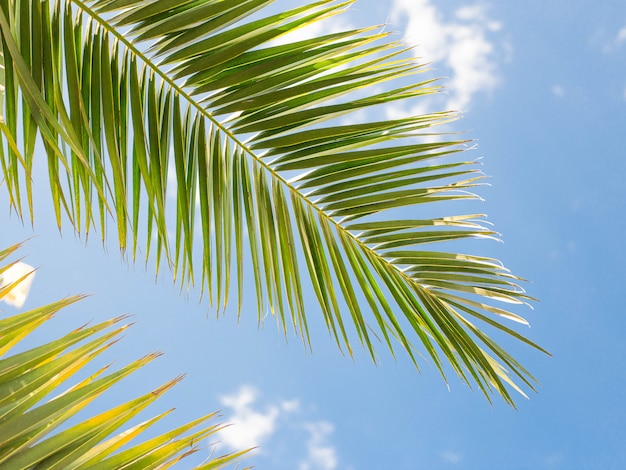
(347, 176)
(29, 427)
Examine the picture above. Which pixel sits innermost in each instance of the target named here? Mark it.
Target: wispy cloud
(460, 45)
(558, 91)
(609, 41)
(452, 457)
(321, 454)
(276, 426)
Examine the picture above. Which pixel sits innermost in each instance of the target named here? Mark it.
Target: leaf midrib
(294, 190)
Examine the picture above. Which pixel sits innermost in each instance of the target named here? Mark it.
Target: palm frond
(123, 92)
(29, 436)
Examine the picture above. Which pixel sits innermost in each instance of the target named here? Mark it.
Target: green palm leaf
(122, 92)
(28, 424)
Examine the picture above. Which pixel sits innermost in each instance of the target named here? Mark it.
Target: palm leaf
(28, 424)
(123, 92)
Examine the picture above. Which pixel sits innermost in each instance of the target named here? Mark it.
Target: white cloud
(478, 13)
(321, 454)
(461, 44)
(252, 424)
(290, 405)
(621, 36)
(21, 276)
(558, 90)
(250, 427)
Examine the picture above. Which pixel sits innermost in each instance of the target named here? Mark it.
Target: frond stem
(148, 62)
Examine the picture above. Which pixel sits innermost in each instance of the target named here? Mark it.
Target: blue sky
(543, 90)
